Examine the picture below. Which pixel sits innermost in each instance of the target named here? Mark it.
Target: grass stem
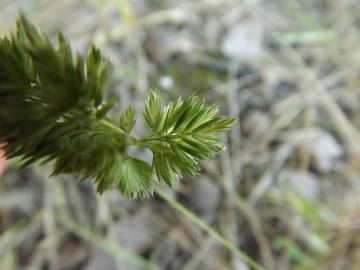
(208, 229)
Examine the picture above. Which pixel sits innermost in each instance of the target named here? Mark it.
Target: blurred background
(286, 191)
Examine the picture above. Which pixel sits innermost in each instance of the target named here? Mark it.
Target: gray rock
(101, 260)
(302, 182)
(135, 233)
(325, 150)
(162, 45)
(244, 41)
(256, 123)
(206, 196)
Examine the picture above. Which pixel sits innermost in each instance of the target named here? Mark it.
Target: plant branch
(53, 111)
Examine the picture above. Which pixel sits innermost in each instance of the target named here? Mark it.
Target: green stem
(131, 139)
(113, 127)
(164, 137)
(212, 232)
(136, 142)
